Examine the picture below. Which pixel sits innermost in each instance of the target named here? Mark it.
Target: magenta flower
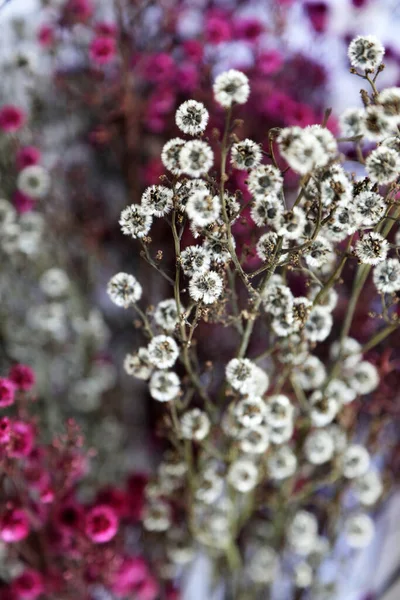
(69, 517)
(22, 376)
(248, 29)
(27, 156)
(101, 524)
(194, 50)
(318, 13)
(102, 50)
(130, 574)
(5, 430)
(148, 590)
(45, 36)
(14, 525)
(28, 585)
(22, 439)
(159, 67)
(22, 202)
(7, 392)
(81, 10)
(12, 118)
(104, 28)
(270, 61)
(217, 29)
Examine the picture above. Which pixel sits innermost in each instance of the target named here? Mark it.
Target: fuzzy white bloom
(157, 200)
(345, 221)
(375, 125)
(386, 276)
(383, 165)
(306, 149)
(266, 245)
(389, 99)
(206, 287)
(210, 487)
(318, 252)
(192, 117)
(372, 248)
(368, 488)
(318, 325)
(136, 221)
(323, 409)
(164, 386)
(202, 208)
(243, 475)
(282, 463)
(311, 373)
(327, 141)
(303, 575)
(250, 411)
(196, 158)
(163, 351)
(302, 532)
(138, 365)
(166, 314)
(364, 379)
(183, 191)
(266, 210)
(240, 373)
(54, 282)
(231, 87)
(359, 530)
(279, 410)
(34, 181)
(255, 440)
(170, 155)
(351, 122)
(290, 224)
(366, 52)
(335, 186)
(278, 299)
(342, 393)
(157, 515)
(355, 461)
(319, 447)
(281, 434)
(246, 155)
(124, 289)
(349, 350)
(195, 424)
(392, 142)
(328, 301)
(263, 566)
(369, 208)
(263, 180)
(8, 213)
(195, 260)
(216, 246)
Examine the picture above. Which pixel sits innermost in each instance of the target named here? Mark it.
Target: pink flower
(269, 62)
(104, 28)
(318, 13)
(101, 524)
(194, 50)
(129, 575)
(22, 376)
(45, 36)
(12, 118)
(81, 10)
(5, 430)
(249, 29)
(159, 67)
(116, 499)
(14, 525)
(102, 50)
(28, 585)
(27, 156)
(22, 202)
(7, 392)
(69, 517)
(22, 439)
(187, 77)
(217, 29)
(148, 590)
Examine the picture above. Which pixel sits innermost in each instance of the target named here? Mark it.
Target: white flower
(34, 181)
(195, 424)
(364, 379)
(250, 411)
(166, 314)
(265, 210)
(302, 532)
(342, 393)
(217, 247)
(163, 351)
(369, 208)
(319, 447)
(375, 124)
(323, 408)
(278, 299)
(192, 117)
(206, 287)
(231, 87)
(351, 122)
(124, 289)
(327, 141)
(240, 373)
(170, 155)
(345, 221)
(266, 245)
(366, 52)
(372, 248)
(389, 99)
(282, 463)
(386, 276)
(359, 530)
(202, 208)
(138, 365)
(243, 475)
(183, 191)
(303, 575)
(210, 487)
(54, 282)
(264, 180)
(302, 148)
(291, 223)
(245, 154)
(328, 301)
(335, 186)
(7, 213)
(392, 142)
(157, 200)
(349, 350)
(135, 221)
(383, 165)
(279, 434)
(279, 410)
(318, 325)
(196, 158)
(355, 461)
(263, 566)
(164, 386)
(157, 515)
(368, 488)
(195, 260)
(311, 373)
(318, 252)
(255, 440)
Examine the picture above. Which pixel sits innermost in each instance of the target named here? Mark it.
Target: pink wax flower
(69, 516)
(22, 439)
(7, 392)
(22, 376)
(269, 62)
(101, 524)
(194, 50)
(159, 67)
(22, 202)
(14, 525)
(217, 29)
(148, 589)
(47, 496)
(28, 585)
(27, 156)
(187, 77)
(5, 430)
(248, 29)
(105, 28)
(12, 118)
(102, 50)
(117, 499)
(129, 575)
(45, 36)
(318, 13)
